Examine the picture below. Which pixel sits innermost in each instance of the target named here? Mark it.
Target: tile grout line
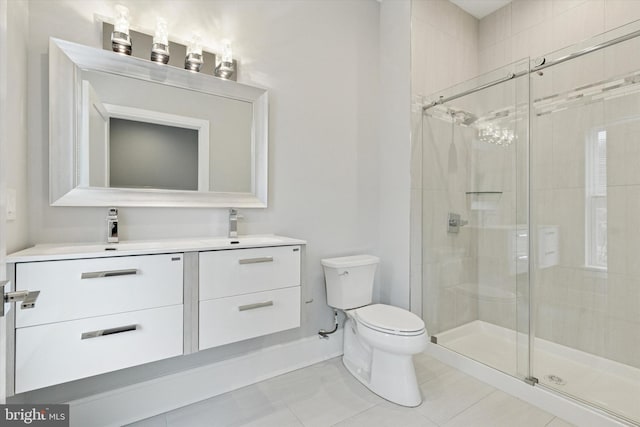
(294, 414)
(355, 415)
(550, 421)
(471, 406)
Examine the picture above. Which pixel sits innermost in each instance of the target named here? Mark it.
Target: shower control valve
(455, 222)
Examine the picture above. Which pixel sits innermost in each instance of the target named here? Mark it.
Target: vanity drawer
(75, 289)
(243, 271)
(232, 319)
(66, 351)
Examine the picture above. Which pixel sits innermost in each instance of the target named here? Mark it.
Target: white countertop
(62, 251)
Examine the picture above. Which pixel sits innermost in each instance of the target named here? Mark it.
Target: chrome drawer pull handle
(254, 306)
(111, 273)
(110, 331)
(256, 260)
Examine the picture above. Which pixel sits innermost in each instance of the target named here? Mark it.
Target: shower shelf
(484, 200)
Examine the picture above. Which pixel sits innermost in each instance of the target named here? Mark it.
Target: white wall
(13, 139)
(320, 62)
(16, 119)
(394, 178)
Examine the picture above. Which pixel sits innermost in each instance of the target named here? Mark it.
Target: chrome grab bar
(109, 331)
(111, 273)
(256, 260)
(254, 306)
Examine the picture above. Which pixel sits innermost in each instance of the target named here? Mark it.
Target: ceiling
(480, 8)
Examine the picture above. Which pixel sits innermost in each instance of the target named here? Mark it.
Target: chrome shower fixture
(463, 117)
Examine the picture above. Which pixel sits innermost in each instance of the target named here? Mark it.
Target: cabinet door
(242, 271)
(232, 319)
(65, 351)
(76, 289)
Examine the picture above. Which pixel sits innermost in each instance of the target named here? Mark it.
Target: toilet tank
(350, 280)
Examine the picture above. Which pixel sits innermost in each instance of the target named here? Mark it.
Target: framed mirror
(126, 131)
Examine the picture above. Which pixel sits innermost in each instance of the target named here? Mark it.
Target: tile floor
(325, 394)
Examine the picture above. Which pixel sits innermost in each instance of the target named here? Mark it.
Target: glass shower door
(475, 219)
(585, 176)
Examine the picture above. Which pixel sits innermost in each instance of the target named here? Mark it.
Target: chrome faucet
(112, 225)
(233, 223)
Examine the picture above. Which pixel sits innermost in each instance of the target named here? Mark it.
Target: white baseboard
(149, 398)
(554, 403)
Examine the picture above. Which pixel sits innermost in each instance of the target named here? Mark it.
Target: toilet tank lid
(350, 261)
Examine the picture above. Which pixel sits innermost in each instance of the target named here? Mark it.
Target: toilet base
(391, 376)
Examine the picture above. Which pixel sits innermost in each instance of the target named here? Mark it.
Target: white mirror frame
(67, 59)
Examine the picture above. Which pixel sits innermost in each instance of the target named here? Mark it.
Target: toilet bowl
(381, 358)
(379, 339)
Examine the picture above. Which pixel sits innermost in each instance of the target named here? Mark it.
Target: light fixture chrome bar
(586, 50)
(508, 77)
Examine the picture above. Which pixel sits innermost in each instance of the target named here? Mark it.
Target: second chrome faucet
(234, 216)
(112, 225)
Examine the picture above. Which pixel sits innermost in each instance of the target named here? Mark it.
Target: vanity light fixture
(226, 67)
(193, 61)
(120, 39)
(160, 47)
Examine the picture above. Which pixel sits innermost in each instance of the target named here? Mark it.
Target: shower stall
(531, 221)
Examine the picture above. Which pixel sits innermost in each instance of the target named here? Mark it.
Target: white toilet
(379, 339)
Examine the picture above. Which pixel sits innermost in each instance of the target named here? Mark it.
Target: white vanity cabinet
(246, 293)
(107, 307)
(96, 315)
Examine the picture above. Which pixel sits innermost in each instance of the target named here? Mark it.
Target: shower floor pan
(607, 384)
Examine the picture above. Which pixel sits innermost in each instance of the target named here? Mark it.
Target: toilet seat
(389, 320)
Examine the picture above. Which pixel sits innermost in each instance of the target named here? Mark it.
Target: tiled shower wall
(444, 47)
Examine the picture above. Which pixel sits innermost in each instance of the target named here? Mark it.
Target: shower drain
(555, 379)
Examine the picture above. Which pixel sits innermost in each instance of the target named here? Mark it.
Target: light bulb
(227, 53)
(193, 61)
(122, 19)
(160, 47)
(194, 45)
(120, 40)
(161, 35)
(225, 67)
